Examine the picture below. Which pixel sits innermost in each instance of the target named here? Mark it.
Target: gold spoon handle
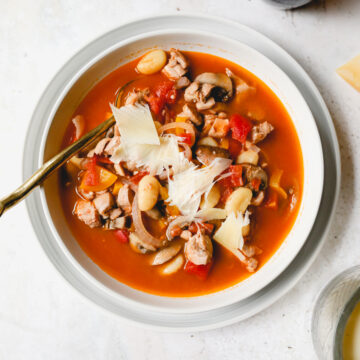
(51, 165)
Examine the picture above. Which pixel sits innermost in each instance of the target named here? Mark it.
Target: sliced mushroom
(206, 154)
(257, 201)
(255, 172)
(223, 87)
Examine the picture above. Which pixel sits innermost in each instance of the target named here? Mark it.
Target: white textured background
(41, 317)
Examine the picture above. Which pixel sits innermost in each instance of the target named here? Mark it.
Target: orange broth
(281, 150)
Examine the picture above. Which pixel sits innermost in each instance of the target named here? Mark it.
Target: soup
(198, 183)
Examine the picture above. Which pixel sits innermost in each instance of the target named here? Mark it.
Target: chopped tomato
(156, 104)
(235, 147)
(234, 178)
(255, 184)
(122, 235)
(96, 178)
(201, 271)
(240, 127)
(273, 201)
(91, 177)
(137, 177)
(186, 138)
(165, 93)
(236, 175)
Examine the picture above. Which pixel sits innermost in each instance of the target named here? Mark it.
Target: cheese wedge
(350, 72)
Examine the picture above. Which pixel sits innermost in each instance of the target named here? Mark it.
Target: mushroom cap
(219, 80)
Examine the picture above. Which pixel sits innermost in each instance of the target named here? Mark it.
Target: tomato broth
(269, 228)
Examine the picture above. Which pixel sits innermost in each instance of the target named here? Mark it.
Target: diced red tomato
(156, 104)
(235, 147)
(91, 176)
(236, 175)
(186, 138)
(122, 235)
(166, 91)
(240, 127)
(201, 271)
(255, 184)
(161, 95)
(272, 201)
(137, 177)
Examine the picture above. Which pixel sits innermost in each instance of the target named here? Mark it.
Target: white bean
(173, 265)
(212, 199)
(208, 140)
(248, 157)
(152, 62)
(148, 192)
(239, 200)
(166, 254)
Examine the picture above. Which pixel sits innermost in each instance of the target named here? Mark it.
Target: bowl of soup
(206, 187)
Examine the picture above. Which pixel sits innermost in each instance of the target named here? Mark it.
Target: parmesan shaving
(230, 232)
(136, 124)
(155, 158)
(187, 187)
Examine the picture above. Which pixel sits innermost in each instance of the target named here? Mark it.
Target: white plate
(59, 254)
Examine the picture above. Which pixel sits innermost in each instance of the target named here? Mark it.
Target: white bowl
(115, 55)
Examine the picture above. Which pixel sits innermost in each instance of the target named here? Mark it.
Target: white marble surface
(41, 317)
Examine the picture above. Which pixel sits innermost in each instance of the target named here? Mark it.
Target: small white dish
(64, 251)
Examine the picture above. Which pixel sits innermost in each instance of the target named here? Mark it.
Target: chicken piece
(100, 146)
(125, 199)
(177, 65)
(182, 82)
(261, 131)
(115, 213)
(251, 250)
(191, 113)
(112, 145)
(104, 203)
(216, 125)
(205, 104)
(118, 223)
(191, 93)
(251, 264)
(199, 249)
(137, 96)
(86, 212)
(207, 154)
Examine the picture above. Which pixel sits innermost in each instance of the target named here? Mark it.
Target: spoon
(53, 164)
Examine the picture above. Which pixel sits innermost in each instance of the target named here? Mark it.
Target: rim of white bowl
(263, 276)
